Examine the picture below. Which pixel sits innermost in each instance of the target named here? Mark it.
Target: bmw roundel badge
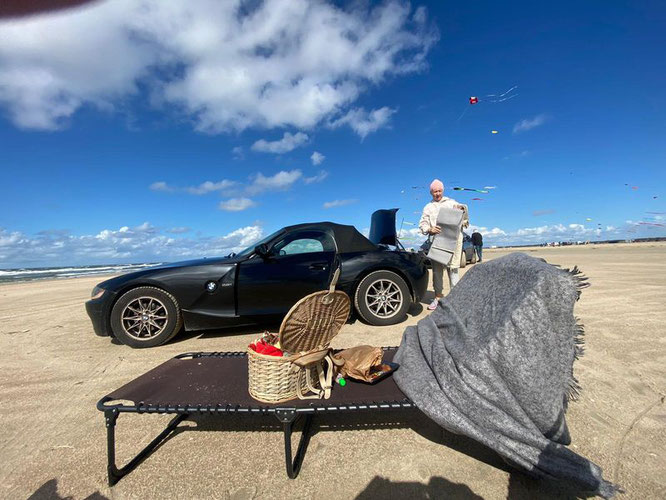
(211, 286)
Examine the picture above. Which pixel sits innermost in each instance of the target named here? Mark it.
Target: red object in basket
(263, 347)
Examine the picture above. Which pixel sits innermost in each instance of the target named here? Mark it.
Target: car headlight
(97, 292)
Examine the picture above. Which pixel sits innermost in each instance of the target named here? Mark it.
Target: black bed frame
(360, 397)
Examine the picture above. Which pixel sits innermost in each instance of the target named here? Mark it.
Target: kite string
(504, 93)
(463, 113)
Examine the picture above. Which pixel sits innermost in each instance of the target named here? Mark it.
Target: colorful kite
(492, 98)
(495, 98)
(493, 132)
(470, 189)
(477, 199)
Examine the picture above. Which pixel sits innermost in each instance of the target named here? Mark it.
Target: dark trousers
(479, 251)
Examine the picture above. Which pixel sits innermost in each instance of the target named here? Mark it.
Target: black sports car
(147, 308)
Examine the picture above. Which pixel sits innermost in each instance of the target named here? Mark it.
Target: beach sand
(54, 370)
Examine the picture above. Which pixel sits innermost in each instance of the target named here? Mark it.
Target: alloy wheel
(383, 298)
(144, 318)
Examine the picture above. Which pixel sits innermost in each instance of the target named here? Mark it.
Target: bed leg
(288, 418)
(114, 473)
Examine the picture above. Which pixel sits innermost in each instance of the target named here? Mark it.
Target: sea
(44, 273)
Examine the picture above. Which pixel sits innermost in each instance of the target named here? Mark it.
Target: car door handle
(319, 266)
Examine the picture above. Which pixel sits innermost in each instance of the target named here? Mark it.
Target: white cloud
(259, 183)
(179, 230)
(238, 153)
(528, 124)
(317, 158)
(281, 181)
(338, 203)
(364, 122)
(160, 186)
(236, 204)
(209, 187)
(143, 243)
(225, 65)
(289, 142)
(323, 174)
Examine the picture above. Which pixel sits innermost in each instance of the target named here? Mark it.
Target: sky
(155, 130)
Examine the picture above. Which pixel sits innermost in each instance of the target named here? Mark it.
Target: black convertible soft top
(347, 238)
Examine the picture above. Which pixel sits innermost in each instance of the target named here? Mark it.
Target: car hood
(382, 227)
(112, 283)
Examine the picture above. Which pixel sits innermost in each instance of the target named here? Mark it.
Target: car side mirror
(261, 250)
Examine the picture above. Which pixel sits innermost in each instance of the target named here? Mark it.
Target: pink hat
(436, 184)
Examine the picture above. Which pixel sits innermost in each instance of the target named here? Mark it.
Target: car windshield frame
(249, 250)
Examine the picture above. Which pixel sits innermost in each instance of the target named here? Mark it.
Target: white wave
(69, 272)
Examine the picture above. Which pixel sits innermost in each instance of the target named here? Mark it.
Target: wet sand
(54, 370)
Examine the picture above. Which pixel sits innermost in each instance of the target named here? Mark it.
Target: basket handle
(327, 299)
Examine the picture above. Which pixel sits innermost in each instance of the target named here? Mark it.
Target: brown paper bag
(358, 361)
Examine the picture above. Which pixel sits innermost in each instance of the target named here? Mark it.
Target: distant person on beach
(428, 226)
(477, 241)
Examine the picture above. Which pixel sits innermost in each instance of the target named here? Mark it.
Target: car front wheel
(145, 317)
(382, 298)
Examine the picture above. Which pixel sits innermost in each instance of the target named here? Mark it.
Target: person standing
(477, 241)
(428, 226)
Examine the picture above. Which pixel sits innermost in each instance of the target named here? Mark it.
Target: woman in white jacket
(428, 225)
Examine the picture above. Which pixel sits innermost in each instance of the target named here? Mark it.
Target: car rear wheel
(382, 298)
(473, 261)
(145, 317)
(463, 259)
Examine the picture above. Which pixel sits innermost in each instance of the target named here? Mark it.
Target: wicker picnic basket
(306, 333)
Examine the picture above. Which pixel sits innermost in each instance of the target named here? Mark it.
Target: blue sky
(157, 131)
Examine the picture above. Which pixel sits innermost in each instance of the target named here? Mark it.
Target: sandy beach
(54, 370)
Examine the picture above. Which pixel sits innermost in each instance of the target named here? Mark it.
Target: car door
(296, 265)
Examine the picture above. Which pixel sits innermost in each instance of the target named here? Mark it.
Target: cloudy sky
(156, 130)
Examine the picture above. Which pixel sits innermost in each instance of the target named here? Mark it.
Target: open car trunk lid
(382, 227)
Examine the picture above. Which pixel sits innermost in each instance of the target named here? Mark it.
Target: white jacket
(429, 219)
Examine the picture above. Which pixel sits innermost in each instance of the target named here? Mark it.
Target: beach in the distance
(54, 371)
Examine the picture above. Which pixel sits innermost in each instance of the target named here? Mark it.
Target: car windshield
(251, 248)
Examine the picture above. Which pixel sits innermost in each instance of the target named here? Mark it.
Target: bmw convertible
(147, 308)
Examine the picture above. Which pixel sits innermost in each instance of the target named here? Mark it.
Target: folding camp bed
(216, 383)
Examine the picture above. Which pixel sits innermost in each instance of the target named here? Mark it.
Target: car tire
(463, 259)
(146, 316)
(378, 311)
(473, 261)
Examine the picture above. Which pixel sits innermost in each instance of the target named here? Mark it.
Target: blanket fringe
(580, 280)
(573, 387)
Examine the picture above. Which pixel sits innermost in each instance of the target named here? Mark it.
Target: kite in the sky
(477, 199)
(495, 98)
(588, 219)
(493, 132)
(491, 98)
(484, 191)
(489, 187)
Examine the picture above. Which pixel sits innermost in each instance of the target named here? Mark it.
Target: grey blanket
(444, 243)
(494, 362)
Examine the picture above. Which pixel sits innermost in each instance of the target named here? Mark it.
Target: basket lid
(315, 319)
